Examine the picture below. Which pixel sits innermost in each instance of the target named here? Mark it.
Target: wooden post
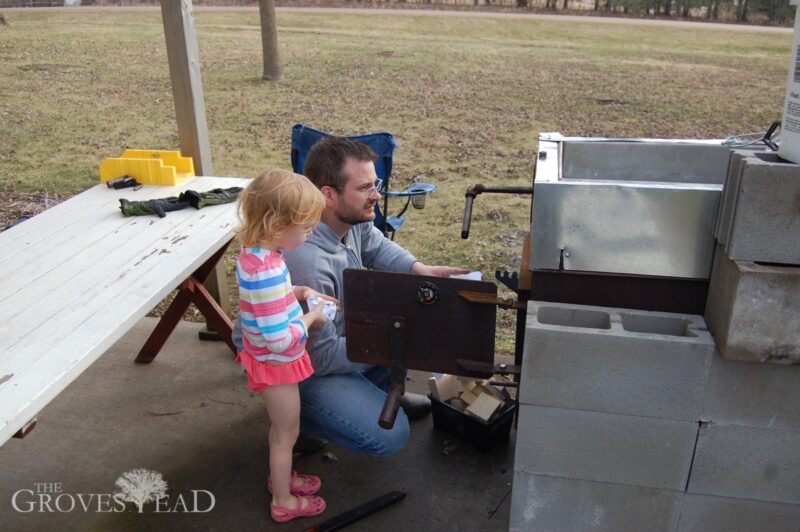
(190, 110)
(187, 85)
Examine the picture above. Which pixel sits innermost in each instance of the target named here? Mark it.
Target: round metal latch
(427, 293)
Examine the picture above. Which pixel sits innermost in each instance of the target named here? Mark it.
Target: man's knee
(392, 441)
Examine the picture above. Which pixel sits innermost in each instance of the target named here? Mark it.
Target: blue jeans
(344, 409)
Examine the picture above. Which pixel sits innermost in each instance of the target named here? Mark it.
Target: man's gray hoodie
(319, 263)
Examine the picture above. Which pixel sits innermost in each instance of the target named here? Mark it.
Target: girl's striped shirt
(268, 310)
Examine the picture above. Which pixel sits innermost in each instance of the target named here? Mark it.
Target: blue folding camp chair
(383, 144)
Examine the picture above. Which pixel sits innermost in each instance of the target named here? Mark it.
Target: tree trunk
(772, 9)
(564, 5)
(597, 5)
(741, 14)
(685, 10)
(667, 7)
(522, 3)
(269, 40)
(712, 11)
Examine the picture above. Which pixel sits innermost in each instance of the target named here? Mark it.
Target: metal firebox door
(418, 322)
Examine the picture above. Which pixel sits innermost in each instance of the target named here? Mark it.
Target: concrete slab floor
(189, 416)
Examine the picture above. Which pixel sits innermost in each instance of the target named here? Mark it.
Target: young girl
(278, 209)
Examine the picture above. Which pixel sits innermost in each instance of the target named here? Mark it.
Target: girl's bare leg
(283, 406)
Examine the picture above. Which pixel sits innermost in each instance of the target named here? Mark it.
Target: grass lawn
(466, 97)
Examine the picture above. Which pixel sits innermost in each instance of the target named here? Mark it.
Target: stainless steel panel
(673, 162)
(641, 207)
(629, 229)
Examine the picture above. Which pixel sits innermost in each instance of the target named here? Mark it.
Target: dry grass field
(465, 96)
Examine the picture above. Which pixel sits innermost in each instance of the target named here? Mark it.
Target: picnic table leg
(215, 315)
(190, 291)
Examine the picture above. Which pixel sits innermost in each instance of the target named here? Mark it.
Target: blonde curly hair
(275, 201)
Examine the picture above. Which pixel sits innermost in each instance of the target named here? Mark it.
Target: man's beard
(354, 216)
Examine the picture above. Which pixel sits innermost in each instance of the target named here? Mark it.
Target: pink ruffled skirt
(261, 374)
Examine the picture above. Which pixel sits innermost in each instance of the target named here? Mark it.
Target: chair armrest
(415, 189)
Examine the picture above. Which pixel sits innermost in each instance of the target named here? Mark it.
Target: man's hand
(436, 271)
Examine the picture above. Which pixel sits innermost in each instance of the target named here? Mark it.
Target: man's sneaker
(306, 444)
(415, 405)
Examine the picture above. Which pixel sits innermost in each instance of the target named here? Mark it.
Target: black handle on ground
(390, 406)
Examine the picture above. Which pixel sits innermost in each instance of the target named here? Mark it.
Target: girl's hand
(314, 318)
(303, 292)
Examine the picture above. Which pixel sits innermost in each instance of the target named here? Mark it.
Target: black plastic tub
(471, 429)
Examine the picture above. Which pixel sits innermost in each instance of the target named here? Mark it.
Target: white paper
(329, 310)
(471, 276)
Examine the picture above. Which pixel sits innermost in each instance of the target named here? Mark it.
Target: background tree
(269, 40)
(741, 12)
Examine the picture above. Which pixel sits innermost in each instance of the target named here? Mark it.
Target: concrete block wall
(704, 513)
(753, 306)
(753, 395)
(747, 463)
(753, 310)
(730, 191)
(746, 468)
(619, 361)
(629, 420)
(545, 503)
(758, 218)
(596, 446)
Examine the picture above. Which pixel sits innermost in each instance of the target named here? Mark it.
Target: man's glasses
(366, 190)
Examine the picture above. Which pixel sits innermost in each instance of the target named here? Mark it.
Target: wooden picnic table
(75, 278)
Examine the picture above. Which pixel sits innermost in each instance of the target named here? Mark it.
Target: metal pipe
(474, 190)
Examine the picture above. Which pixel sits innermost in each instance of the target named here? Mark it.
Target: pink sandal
(280, 514)
(311, 484)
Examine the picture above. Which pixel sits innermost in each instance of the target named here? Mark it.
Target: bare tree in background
(269, 40)
(140, 486)
(741, 12)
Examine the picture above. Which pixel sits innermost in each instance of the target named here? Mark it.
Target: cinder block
(638, 451)
(543, 504)
(703, 513)
(765, 220)
(730, 192)
(757, 395)
(753, 310)
(747, 463)
(614, 360)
